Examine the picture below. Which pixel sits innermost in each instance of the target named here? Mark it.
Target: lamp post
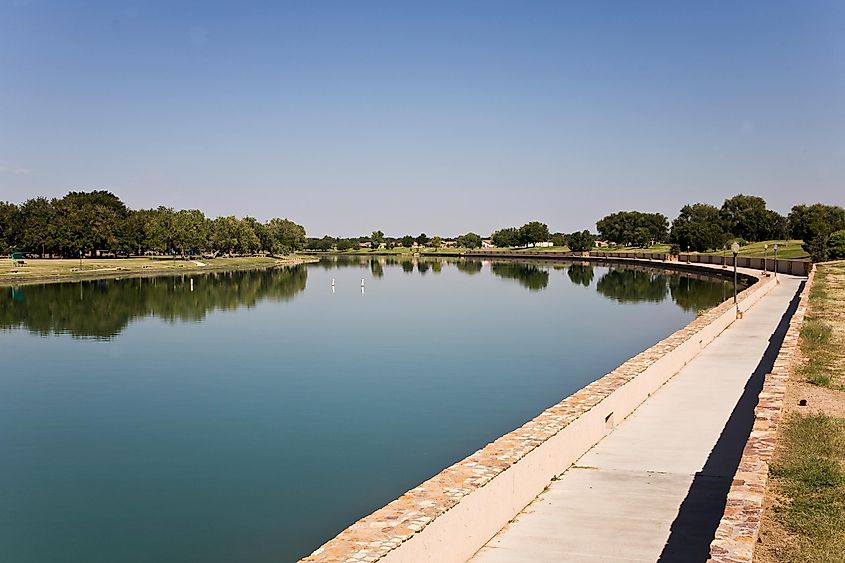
(776, 262)
(735, 250)
(765, 258)
(725, 256)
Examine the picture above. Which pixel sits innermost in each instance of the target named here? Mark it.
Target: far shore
(47, 270)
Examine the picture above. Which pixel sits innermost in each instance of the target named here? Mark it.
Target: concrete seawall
(453, 514)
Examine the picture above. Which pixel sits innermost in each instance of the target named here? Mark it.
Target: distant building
(449, 243)
(364, 245)
(487, 243)
(601, 244)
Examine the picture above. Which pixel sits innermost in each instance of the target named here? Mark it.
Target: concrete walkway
(654, 489)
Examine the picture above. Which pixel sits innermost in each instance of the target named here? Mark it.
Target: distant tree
(39, 232)
(533, 232)
(407, 241)
(10, 227)
(346, 244)
(746, 217)
(698, 228)
(469, 240)
(376, 239)
(287, 236)
(504, 238)
(422, 239)
(580, 241)
(807, 222)
(814, 224)
(633, 228)
(558, 239)
(436, 242)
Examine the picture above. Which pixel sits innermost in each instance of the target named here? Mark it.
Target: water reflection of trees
(103, 308)
(581, 274)
(694, 294)
(632, 286)
(528, 275)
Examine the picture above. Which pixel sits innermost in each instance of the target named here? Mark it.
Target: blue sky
(441, 117)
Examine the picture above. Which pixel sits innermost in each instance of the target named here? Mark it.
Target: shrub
(836, 246)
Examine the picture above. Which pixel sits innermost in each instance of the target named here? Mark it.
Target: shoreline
(185, 267)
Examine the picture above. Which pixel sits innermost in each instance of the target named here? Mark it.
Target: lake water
(251, 416)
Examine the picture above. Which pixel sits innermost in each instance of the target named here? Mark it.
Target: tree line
(701, 226)
(84, 223)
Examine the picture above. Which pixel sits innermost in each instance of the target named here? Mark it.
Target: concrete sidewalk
(654, 489)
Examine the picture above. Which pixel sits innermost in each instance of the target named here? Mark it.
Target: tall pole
(735, 249)
(725, 257)
(776, 263)
(765, 258)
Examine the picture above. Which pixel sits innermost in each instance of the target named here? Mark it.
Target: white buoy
(192, 284)
(332, 282)
(362, 282)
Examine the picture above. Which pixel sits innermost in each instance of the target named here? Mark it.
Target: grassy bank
(810, 476)
(823, 333)
(805, 515)
(787, 249)
(46, 270)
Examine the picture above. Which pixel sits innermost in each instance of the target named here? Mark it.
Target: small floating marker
(332, 282)
(362, 282)
(192, 284)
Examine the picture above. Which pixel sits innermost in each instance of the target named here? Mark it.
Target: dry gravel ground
(804, 514)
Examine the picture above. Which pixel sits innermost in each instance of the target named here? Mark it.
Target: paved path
(654, 489)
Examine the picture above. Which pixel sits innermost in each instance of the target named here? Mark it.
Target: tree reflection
(581, 274)
(103, 308)
(528, 275)
(695, 295)
(468, 266)
(633, 286)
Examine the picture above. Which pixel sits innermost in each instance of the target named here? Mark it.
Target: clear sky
(441, 117)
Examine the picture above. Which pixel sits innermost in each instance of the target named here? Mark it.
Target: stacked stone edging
(376, 537)
(739, 527)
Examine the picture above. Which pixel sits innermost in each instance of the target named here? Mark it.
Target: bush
(836, 246)
(675, 249)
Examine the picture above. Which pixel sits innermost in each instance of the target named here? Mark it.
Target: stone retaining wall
(739, 528)
(453, 514)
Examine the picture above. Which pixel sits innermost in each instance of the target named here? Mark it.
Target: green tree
(633, 228)
(746, 217)
(10, 227)
(407, 241)
(533, 232)
(39, 225)
(836, 246)
(469, 240)
(698, 228)
(287, 236)
(422, 239)
(376, 239)
(580, 241)
(436, 242)
(505, 238)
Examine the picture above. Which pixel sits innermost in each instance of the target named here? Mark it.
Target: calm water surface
(251, 416)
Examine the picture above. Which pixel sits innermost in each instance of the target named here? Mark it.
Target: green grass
(39, 270)
(821, 334)
(653, 248)
(787, 249)
(811, 474)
